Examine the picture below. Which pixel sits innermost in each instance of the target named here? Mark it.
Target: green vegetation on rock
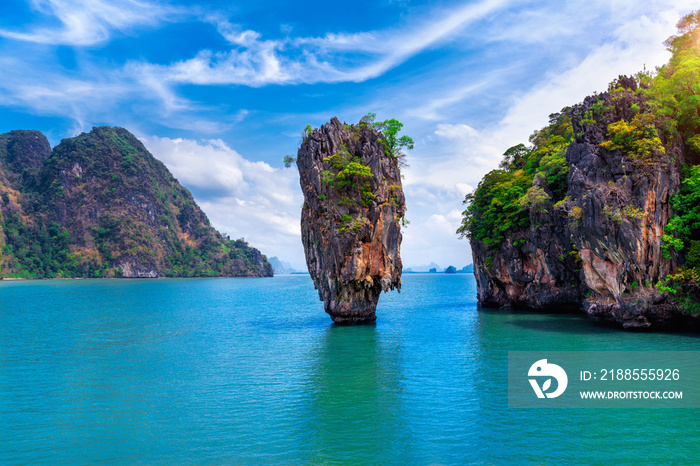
(675, 93)
(349, 179)
(349, 175)
(393, 144)
(100, 205)
(640, 126)
(638, 139)
(501, 203)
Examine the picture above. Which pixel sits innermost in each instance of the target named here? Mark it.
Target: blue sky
(220, 91)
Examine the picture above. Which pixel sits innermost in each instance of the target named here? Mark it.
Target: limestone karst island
(352, 214)
(601, 212)
(100, 205)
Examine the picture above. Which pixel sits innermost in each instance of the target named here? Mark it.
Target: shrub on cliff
(638, 139)
(675, 90)
(501, 203)
(683, 229)
(393, 144)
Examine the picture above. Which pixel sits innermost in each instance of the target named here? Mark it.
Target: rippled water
(252, 371)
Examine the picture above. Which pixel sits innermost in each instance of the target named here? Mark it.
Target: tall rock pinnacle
(350, 222)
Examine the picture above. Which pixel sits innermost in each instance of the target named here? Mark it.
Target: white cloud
(36, 91)
(241, 198)
(463, 156)
(458, 131)
(257, 62)
(635, 43)
(464, 188)
(87, 22)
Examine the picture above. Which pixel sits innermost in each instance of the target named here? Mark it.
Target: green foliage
(119, 204)
(368, 119)
(628, 212)
(638, 139)
(350, 224)
(576, 214)
(494, 209)
(515, 157)
(308, 129)
(535, 199)
(595, 112)
(288, 161)
(501, 203)
(393, 144)
(519, 242)
(548, 154)
(693, 256)
(683, 228)
(684, 285)
(348, 175)
(675, 94)
(675, 90)
(40, 253)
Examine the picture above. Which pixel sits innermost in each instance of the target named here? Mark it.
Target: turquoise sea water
(227, 371)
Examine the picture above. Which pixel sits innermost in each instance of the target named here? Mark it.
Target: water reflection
(505, 330)
(555, 433)
(355, 413)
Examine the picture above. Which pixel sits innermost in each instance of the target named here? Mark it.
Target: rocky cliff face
(100, 205)
(350, 221)
(600, 248)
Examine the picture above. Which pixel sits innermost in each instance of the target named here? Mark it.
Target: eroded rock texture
(350, 221)
(600, 249)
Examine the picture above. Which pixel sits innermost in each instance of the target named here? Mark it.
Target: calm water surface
(251, 371)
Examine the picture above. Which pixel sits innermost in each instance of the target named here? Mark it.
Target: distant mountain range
(281, 267)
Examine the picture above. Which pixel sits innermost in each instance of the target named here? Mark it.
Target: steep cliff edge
(598, 246)
(100, 205)
(350, 221)
(622, 199)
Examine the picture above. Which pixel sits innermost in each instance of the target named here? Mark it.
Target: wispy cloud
(88, 22)
(95, 95)
(29, 86)
(332, 58)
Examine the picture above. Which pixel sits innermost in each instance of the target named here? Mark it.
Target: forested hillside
(100, 205)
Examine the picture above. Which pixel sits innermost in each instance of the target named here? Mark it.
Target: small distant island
(434, 268)
(100, 205)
